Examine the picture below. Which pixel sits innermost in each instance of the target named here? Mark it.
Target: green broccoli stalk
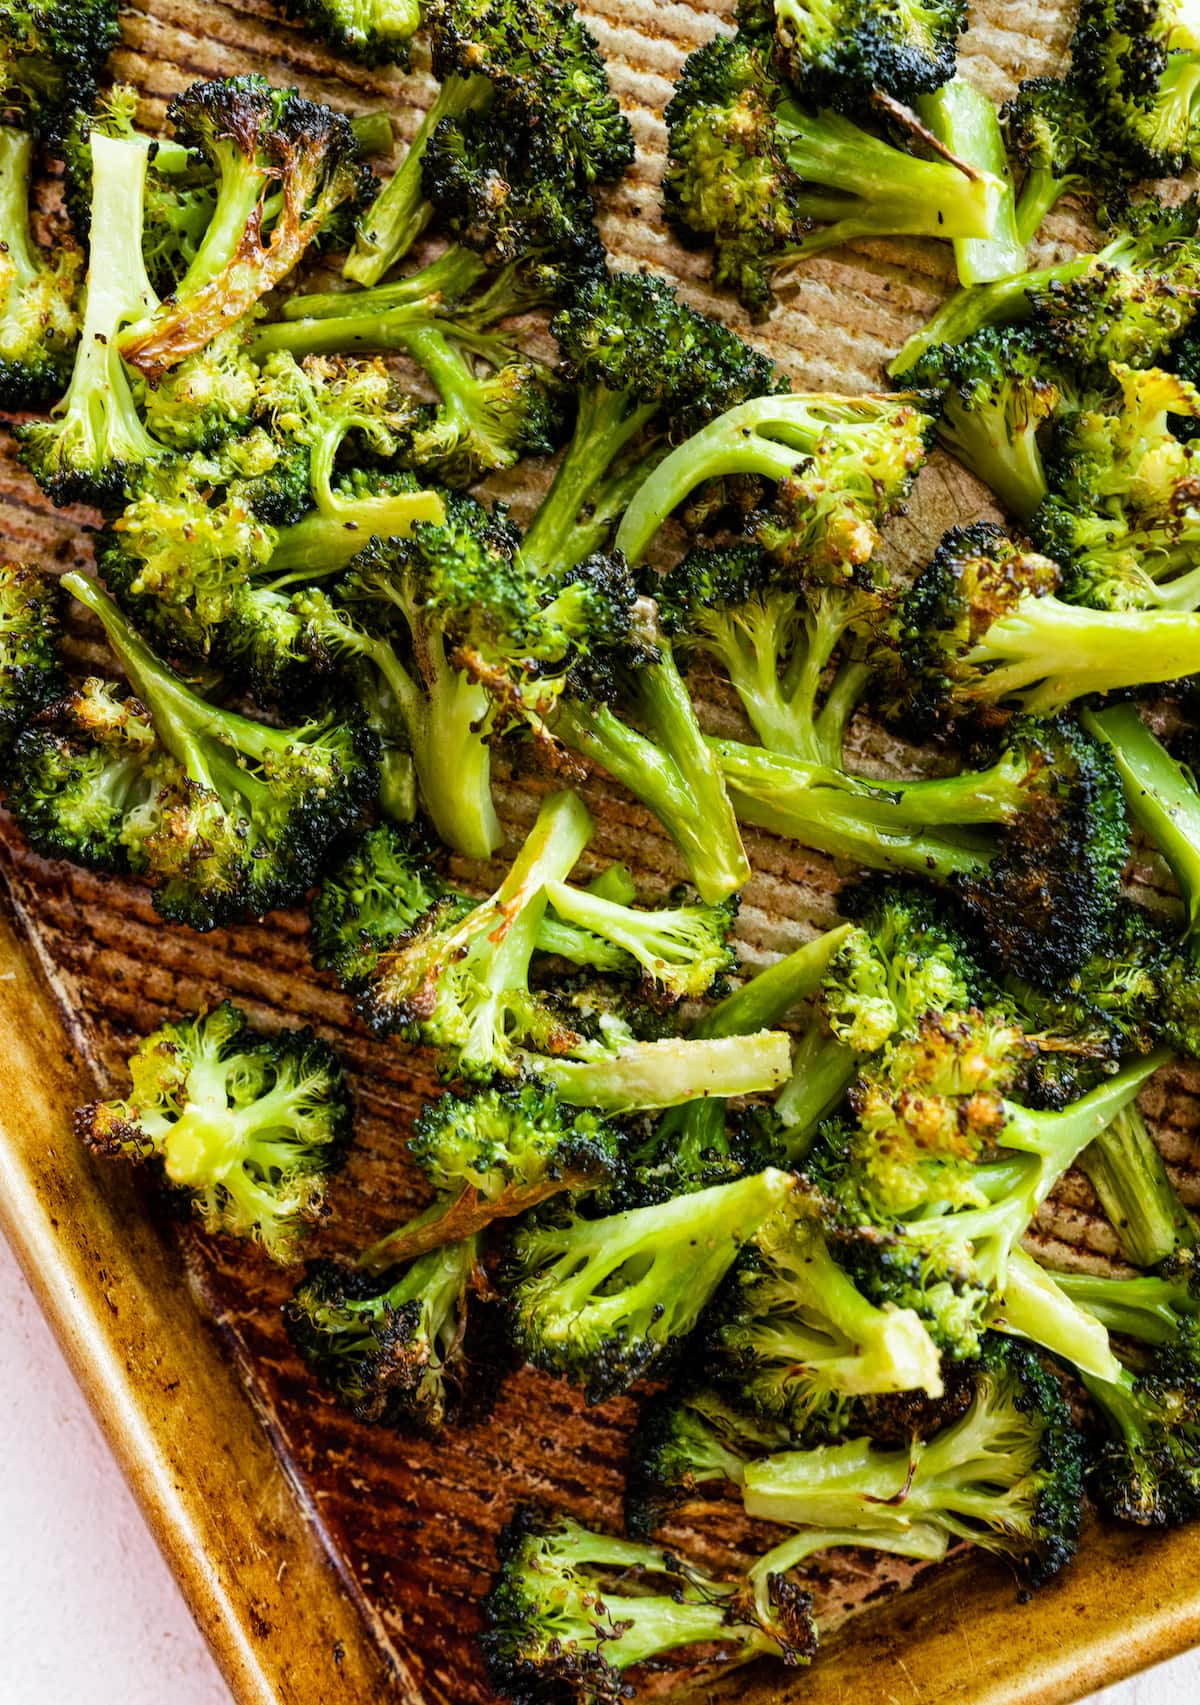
(604, 1301)
(648, 369)
(95, 444)
(770, 181)
(1126, 1169)
(684, 951)
(795, 1338)
(535, 71)
(1008, 1476)
(1035, 1307)
(965, 121)
(398, 1348)
(247, 1126)
(571, 1611)
(642, 1076)
(984, 630)
(257, 139)
(1160, 793)
(775, 636)
(1034, 844)
(31, 675)
(494, 1154)
(51, 52)
(904, 958)
(38, 321)
(669, 767)
(243, 815)
(844, 464)
(997, 389)
(371, 32)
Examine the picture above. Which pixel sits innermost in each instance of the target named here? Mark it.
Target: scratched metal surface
(413, 1523)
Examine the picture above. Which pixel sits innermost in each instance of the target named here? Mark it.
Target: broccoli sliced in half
(240, 816)
(38, 321)
(604, 1301)
(248, 1126)
(31, 675)
(1008, 1476)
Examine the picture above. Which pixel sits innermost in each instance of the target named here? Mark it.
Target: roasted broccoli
(840, 50)
(1139, 61)
(1126, 1169)
(246, 1125)
(373, 32)
(31, 675)
(38, 321)
(51, 53)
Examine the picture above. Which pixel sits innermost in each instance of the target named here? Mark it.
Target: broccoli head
(38, 321)
(246, 1125)
(51, 53)
(31, 674)
(838, 51)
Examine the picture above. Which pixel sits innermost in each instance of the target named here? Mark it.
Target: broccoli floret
(51, 52)
(1034, 844)
(795, 1339)
(604, 1301)
(1008, 1476)
(534, 68)
(769, 181)
(1051, 129)
(997, 388)
(38, 321)
(408, 1348)
(371, 32)
(571, 1610)
(983, 632)
(95, 444)
(82, 775)
(248, 1126)
(775, 633)
(214, 393)
(843, 465)
(839, 50)
(684, 951)
(31, 675)
(666, 763)
(959, 1270)
(256, 138)
(648, 370)
(238, 817)
(688, 1439)
(1139, 61)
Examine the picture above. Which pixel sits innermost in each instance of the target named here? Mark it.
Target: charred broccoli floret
(842, 49)
(604, 1301)
(51, 52)
(1051, 128)
(1140, 63)
(247, 1126)
(31, 675)
(372, 32)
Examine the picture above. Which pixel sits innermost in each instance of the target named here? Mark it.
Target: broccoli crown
(1140, 62)
(80, 776)
(1007, 1475)
(1050, 127)
(513, 1145)
(397, 1348)
(837, 51)
(547, 74)
(571, 1610)
(38, 321)
(246, 1125)
(631, 335)
(1143, 1466)
(51, 52)
(603, 1301)
(508, 195)
(260, 140)
(376, 894)
(372, 32)
(240, 816)
(688, 1439)
(684, 951)
(211, 395)
(31, 675)
(906, 958)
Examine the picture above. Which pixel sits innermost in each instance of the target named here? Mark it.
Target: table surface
(70, 1526)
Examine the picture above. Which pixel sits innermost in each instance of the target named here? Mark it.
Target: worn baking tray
(324, 1561)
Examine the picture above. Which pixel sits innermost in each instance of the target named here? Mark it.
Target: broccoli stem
(548, 853)
(443, 280)
(1147, 1309)
(606, 422)
(679, 780)
(372, 132)
(885, 826)
(1035, 1307)
(1126, 1170)
(20, 259)
(240, 187)
(670, 1073)
(822, 1071)
(1160, 793)
(923, 1541)
(963, 118)
(994, 304)
(1058, 1139)
(873, 189)
(400, 212)
(328, 539)
(1050, 653)
(1040, 194)
(766, 999)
